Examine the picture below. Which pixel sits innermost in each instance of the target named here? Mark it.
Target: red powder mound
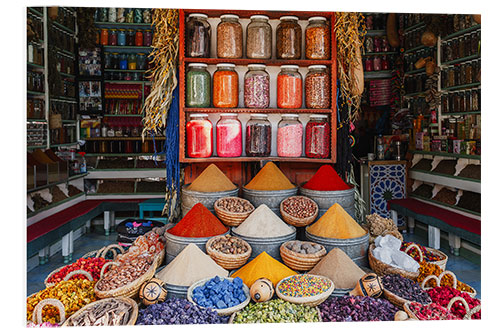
(198, 222)
(326, 179)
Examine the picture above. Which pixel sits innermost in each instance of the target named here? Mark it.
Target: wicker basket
(220, 312)
(299, 261)
(295, 221)
(381, 268)
(37, 311)
(468, 314)
(438, 282)
(311, 300)
(102, 252)
(228, 261)
(229, 218)
(231, 319)
(397, 300)
(132, 317)
(441, 263)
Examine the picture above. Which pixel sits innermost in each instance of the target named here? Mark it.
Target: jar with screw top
(229, 135)
(132, 61)
(229, 37)
(199, 136)
(256, 87)
(198, 32)
(318, 137)
(288, 38)
(225, 86)
(122, 37)
(317, 38)
(104, 37)
(139, 37)
(317, 87)
(289, 138)
(289, 85)
(461, 47)
(130, 37)
(258, 136)
(197, 86)
(148, 38)
(141, 61)
(258, 37)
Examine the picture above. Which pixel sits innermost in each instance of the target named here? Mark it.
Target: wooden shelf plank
(270, 62)
(247, 110)
(216, 159)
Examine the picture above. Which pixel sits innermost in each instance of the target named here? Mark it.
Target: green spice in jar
(198, 86)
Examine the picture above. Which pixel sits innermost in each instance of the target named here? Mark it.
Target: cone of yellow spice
(270, 178)
(212, 179)
(336, 223)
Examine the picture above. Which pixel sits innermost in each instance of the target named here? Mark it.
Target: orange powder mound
(336, 223)
(198, 222)
(270, 178)
(212, 179)
(263, 266)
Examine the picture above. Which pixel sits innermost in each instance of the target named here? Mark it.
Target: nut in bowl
(301, 255)
(229, 252)
(232, 211)
(299, 210)
(306, 289)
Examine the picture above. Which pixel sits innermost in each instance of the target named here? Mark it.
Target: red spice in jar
(289, 94)
(318, 137)
(198, 222)
(199, 136)
(326, 179)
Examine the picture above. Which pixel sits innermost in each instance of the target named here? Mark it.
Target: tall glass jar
(288, 38)
(112, 15)
(148, 38)
(197, 86)
(225, 85)
(258, 136)
(122, 37)
(290, 131)
(113, 37)
(256, 86)
(198, 36)
(132, 61)
(317, 87)
(139, 38)
(259, 37)
(317, 38)
(318, 137)
(123, 61)
(130, 37)
(199, 136)
(141, 61)
(229, 37)
(104, 36)
(229, 135)
(289, 85)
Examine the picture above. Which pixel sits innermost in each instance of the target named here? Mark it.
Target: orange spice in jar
(225, 86)
(104, 36)
(289, 94)
(317, 39)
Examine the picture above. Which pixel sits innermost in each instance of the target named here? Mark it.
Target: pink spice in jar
(290, 139)
(229, 136)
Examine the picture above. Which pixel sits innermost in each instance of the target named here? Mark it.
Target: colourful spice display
(318, 137)
(338, 267)
(304, 285)
(413, 252)
(269, 178)
(336, 223)
(212, 179)
(225, 84)
(427, 269)
(229, 136)
(198, 222)
(443, 296)
(91, 265)
(276, 311)
(326, 179)
(357, 308)
(432, 311)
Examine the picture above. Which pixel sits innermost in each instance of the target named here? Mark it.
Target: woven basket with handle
(440, 277)
(381, 268)
(397, 300)
(37, 311)
(134, 312)
(310, 300)
(102, 252)
(295, 221)
(299, 261)
(441, 263)
(228, 261)
(229, 218)
(468, 311)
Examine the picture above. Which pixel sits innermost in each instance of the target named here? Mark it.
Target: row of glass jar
(375, 21)
(66, 18)
(61, 39)
(35, 108)
(378, 63)
(66, 110)
(454, 23)
(460, 47)
(410, 59)
(258, 137)
(415, 83)
(464, 73)
(36, 81)
(123, 37)
(125, 76)
(122, 146)
(411, 19)
(258, 37)
(461, 101)
(123, 15)
(418, 106)
(123, 61)
(256, 87)
(377, 44)
(65, 64)
(35, 54)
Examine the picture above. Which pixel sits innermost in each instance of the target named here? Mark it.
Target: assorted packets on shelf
(380, 92)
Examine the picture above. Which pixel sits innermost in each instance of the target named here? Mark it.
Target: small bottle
(380, 148)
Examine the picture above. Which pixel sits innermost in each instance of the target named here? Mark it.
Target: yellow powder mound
(212, 179)
(270, 178)
(336, 223)
(263, 266)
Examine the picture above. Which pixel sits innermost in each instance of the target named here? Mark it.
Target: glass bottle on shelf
(122, 37)
(258, 37)
(256, 86)
(130, 38)
(132, 61)
(317, 37)
(198, 86)
(141, 61)
(377, 63)
(139, 37)
(123, 61)
(317, 87)
(225, 86)
(113, 37)
(288, 38)
(104, 36)
(258, 136)
(198, 32)
(317, 137)
(289, 85)
(289, 138)
(199, 136)
(148, 37)
(229, 135)
(229, 37)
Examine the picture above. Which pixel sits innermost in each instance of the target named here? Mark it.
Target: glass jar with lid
(229, 37)
(132, 61)
(288, 38)
(229, 135)
(289, 138)
(141, 61)
(113, 37)
(123, 61)
(122, 37)
(318, 137)
(317, 38)
(130, 37)
(148, 38)
(461, 47)
(115, 60)
(104, 36)
(289, 85)
(225, 86)
(197, 86)
(199, 136)
(259, 37)
(256, 87)
(317, 87)
(198, 36)
(258, 136)
(139, 37)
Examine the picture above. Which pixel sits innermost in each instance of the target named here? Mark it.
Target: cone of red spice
(198, 222)
(326, 179)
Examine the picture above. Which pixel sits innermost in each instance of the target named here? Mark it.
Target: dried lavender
(357, 308)
(405, 288)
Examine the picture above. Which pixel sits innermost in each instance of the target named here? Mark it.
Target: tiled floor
(465, 270)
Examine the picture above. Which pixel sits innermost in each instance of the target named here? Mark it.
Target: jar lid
(317, 67)
(229, 16)
(317, 18)
(260, 66)
(225, 65)
(318, 116)
(289, 66)
(291, 115)
(199, 64)
(198, 15)
(198, 115)
(263, 17)
(228, 114)
(290, 17)
(258, 115)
